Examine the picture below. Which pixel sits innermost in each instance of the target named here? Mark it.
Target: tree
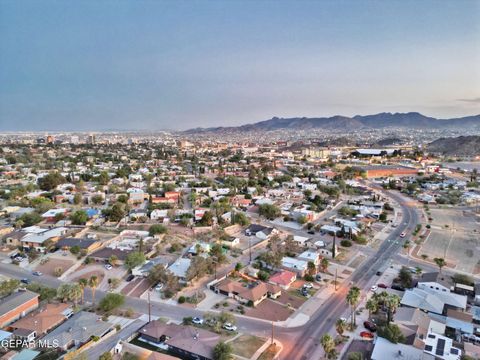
(134, 259)
(240, 218)
(69, 292)
(355, 355)
(29, 219)
(222, 351)
(324, 264)
(97, 199)
(83, 283)
(51, 181)
(312, 269)
(79, 217)
(353, 297)
(392, 302)
(269, 211)
(440, 263)
(207, 219)
(392, 333)
(371, 306)
(77, 198)
(7, 287)
(405, 277)
(328, 345)
(93, 283)
(103, 178)
(340, 326)
(157, 229)
(75, 250)
(106, 356)
(111, 301)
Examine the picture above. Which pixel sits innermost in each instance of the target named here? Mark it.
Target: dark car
(129, 278)
(25, 281)
(383, 286)
(370, 326)
(398, 287)
(311, 232)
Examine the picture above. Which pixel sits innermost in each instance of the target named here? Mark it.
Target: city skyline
(177, 65)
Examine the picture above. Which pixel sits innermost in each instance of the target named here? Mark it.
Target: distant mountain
(377, 121)
(458, 146)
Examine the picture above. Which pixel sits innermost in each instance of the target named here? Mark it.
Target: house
(384, 349)
(441, 347)
(260, 231)
(253, 294)
(89, 245)
(144, 270)
(78, 330)
(296, 265)
(37, 239)
(436, 301)
(283, 279)
(51, 214)
(180, 267)
(230, 241)
(187, 342)
(16, 306)
(310, 256)
(105, 254)
(158, 214)
(42, 321)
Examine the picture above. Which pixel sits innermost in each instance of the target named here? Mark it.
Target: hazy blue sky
(92, 65)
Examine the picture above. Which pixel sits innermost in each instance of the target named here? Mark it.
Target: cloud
(472, 100)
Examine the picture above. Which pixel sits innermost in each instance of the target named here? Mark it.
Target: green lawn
(246, 345)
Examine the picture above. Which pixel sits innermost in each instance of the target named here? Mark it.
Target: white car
(229, 327)
(402, 235)
(159, 287)
(108, 266)
(374, 288)
(197, 320)
(307, 286)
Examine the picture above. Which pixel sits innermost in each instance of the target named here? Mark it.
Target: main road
(299, 343)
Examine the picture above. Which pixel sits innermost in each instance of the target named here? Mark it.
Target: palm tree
(83, 283)
(328, 345)
(392, 303)
(93, 283)
(312, 269)
(353, 296)
(440, 263)
(75, 293)
(371, 306)
(324, 264)
(340, 326)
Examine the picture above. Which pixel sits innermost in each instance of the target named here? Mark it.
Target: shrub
(308, 277)
(346, 243)
(181, 299)
(111, 301)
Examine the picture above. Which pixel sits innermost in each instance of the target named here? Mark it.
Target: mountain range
(459, 146)
(378, 121)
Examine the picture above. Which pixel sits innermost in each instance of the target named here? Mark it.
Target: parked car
(318, 277)
(383, 286)
(374, 288)
(108, 266)
(311, 232)
(25, 281)
(229, 327)
(402, 235)
(197, 320)
(304, 292)
(159, 287)
(398, 287)
(367, 335)
(130, 278)
(370, 326)
(307, 286)
(37, 273)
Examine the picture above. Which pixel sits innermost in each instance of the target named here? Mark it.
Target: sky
(150, 65)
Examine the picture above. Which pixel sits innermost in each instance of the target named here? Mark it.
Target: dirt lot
(49, 267)
(455, 237)
(269, 310)
(246, 345)
(294, 301)
(88, 275)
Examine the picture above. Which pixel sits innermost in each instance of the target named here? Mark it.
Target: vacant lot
(455, 237)
(49, 267)
(246, 345)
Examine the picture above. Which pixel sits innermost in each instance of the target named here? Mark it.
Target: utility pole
(250, 250)
(272, 333)
(335, 279)
(334, 250)
(149, 307)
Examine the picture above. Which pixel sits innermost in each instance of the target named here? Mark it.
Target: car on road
(383, 286)
(367, 335)
(197, 320)
(108, 266)
(25, 281)
(374, 288)
(402, 235)
(37, 273)
(370, 326)
(159, 287)
(229, 327)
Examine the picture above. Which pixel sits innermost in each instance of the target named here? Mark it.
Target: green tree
(30, 219)
(77, 198)
(134, 259)
(79, 217)
(93, 283)
(440, 263)
(340, 326)
(106, 356)
(328, 345)
(392, 333)
(392, 302)
(269, 211)
(51, 181)
(157, 229)
(371, 306)
(111, 301)
(83, 283)
(222, 351)
(353, 297)
(7, 287)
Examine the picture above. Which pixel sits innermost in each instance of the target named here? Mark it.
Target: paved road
(305, 344)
